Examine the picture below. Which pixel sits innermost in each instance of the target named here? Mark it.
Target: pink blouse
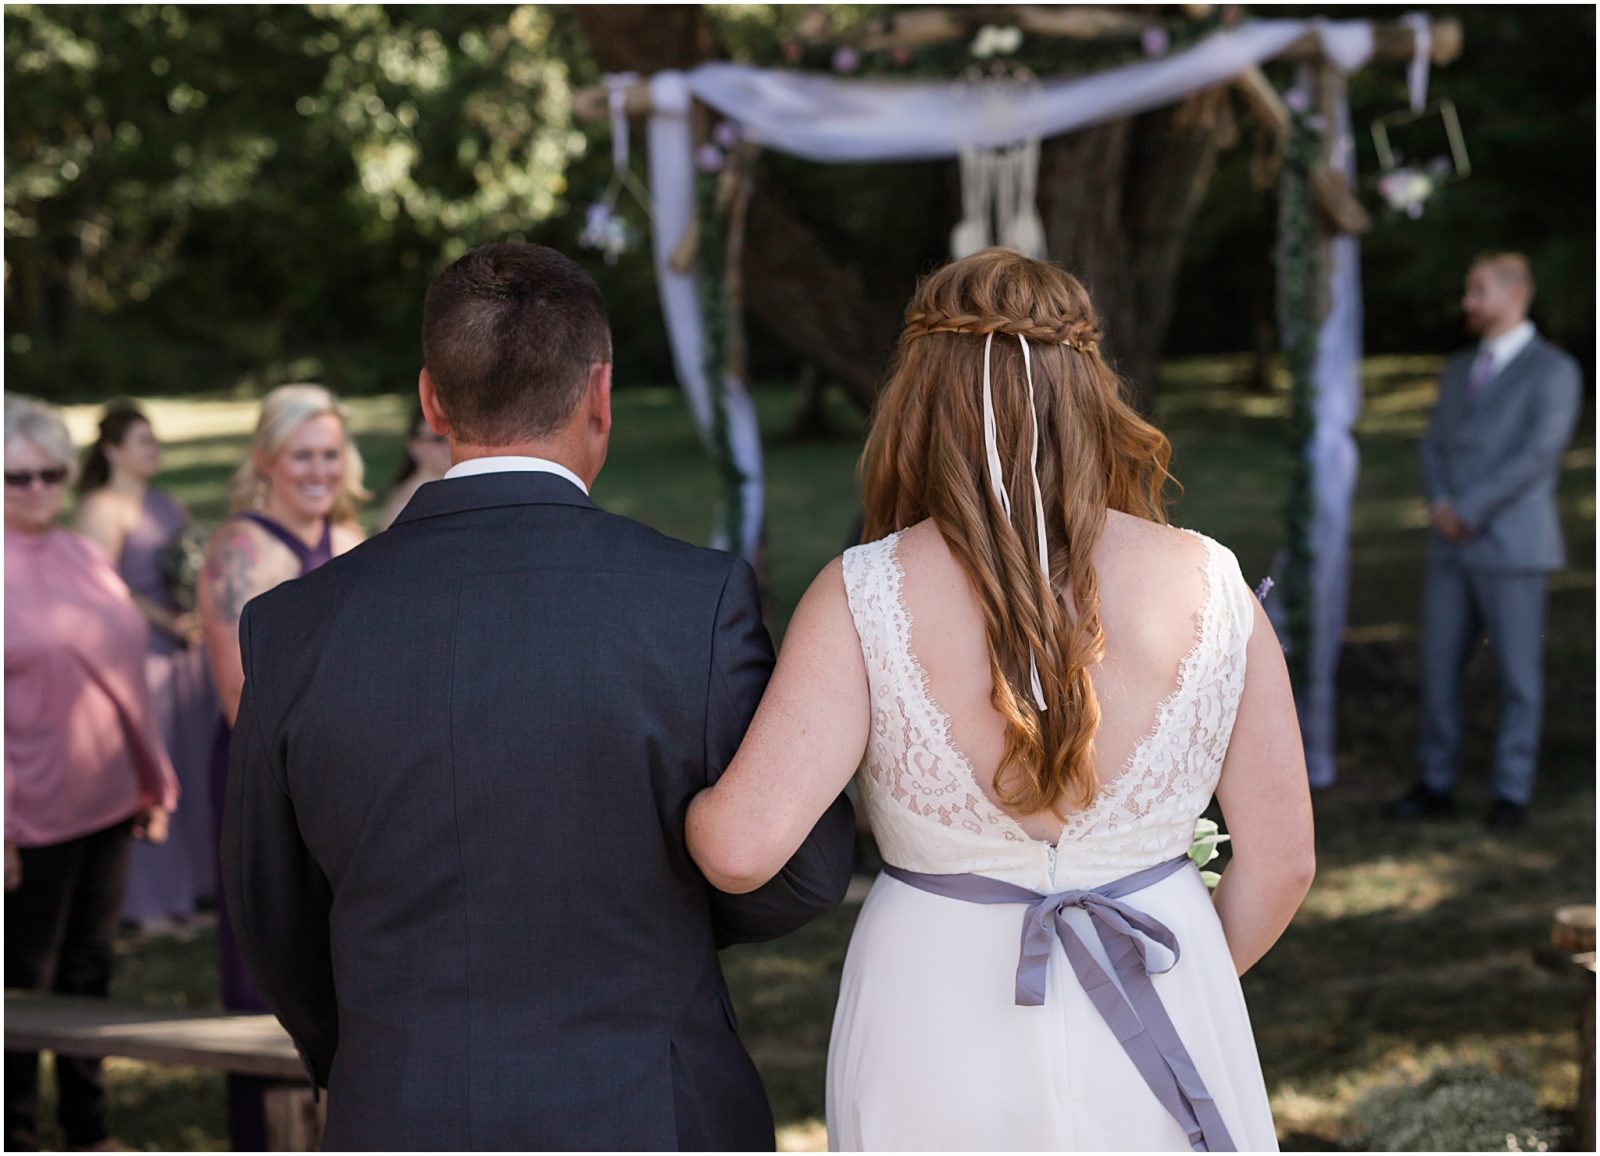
(83, 750)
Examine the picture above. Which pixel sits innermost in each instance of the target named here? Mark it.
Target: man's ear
(598, 393)
(431, 413)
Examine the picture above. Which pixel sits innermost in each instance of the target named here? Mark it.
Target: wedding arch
(700, 184)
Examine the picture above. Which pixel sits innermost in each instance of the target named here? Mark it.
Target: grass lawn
(1413, 950)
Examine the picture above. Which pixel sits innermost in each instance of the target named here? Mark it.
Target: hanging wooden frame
(1407, 184)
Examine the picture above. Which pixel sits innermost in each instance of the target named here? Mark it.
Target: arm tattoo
(229, 573)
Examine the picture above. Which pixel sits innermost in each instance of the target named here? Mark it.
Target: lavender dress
(166, 881)
(247, 1128)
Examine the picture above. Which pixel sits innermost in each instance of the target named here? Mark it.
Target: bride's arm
(805, 742)
(1267, 804)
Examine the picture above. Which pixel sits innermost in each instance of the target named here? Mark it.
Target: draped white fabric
(825, 118)
(1336, 380)
(672, 190)
(829, 119)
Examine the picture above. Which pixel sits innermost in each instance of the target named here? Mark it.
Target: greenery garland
(751, 41)
(1300, 276)
(710, 268)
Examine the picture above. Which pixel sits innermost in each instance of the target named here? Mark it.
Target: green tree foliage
(204, 196)
(256, 178)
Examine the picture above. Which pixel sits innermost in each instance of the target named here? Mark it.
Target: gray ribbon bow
(1137, 1019)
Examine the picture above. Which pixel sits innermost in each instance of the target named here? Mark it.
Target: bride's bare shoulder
(927, 560)
(921, 538)
(1156, 535)
(1145, 552)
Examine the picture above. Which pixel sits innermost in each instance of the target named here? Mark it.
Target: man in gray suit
(1490, 463)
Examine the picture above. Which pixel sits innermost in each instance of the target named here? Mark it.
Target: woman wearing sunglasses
(85, 768)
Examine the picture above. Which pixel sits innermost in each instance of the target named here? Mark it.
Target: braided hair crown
(1081, 333)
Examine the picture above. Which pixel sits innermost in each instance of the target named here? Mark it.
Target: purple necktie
(1482, 371)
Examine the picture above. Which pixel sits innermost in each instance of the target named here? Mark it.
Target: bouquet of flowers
(1207, 836)
(181, 566)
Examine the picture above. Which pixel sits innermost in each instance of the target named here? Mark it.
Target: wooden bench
(244, 1045)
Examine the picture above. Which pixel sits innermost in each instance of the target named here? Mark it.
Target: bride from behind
(1043, 686)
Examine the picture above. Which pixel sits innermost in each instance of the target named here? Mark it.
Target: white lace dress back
(928, 1048)
(927, 809)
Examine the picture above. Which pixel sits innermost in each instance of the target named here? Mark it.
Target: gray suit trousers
(1459, 607)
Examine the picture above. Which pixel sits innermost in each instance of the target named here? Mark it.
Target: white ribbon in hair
(997, 480)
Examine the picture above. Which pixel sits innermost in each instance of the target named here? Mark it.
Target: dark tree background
(223, 198)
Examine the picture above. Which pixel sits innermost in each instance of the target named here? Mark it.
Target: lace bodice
(927, 810)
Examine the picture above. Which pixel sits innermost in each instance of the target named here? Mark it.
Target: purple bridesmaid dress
(247, 1123)
(167, 881)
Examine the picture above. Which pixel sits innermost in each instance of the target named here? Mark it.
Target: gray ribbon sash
(1138, 1020)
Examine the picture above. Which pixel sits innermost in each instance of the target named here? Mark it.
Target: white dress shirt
(513, 463)
(1508, 344)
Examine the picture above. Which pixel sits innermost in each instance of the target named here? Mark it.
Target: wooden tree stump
(1573, 929)
(1586, 1057)
(1571, 949)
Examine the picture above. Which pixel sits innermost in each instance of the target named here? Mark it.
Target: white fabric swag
(829, 119)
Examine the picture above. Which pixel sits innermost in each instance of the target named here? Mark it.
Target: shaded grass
(1413, 949)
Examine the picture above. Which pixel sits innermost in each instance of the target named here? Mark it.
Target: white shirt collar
(1508, 344)
(513, 463)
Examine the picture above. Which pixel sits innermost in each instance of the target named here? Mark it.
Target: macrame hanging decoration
(999, 186)
(604, 228)
(1435, 153)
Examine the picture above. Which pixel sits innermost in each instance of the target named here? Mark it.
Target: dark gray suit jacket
(1498, 459)
(454, 845)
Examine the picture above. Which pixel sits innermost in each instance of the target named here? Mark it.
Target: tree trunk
(811, 406)
(815, 303)
(645, 38)
(1081, 201)
(1119, 201)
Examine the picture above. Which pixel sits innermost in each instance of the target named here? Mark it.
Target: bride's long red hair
(925, 458)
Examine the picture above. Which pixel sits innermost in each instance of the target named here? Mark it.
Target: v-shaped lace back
(927, 810)
(910, 752)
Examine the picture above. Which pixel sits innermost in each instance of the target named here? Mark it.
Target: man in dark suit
(1491, 461)
(454, 842)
